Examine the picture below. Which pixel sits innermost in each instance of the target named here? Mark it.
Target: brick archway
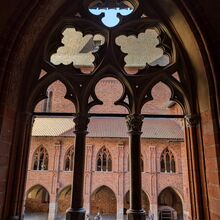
(168, 199)
(37, 201)
(103, 200)
(14, 122)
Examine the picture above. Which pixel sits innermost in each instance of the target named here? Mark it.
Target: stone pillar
(24, 122)
(76, 210)
(55, 181)
(154, 210)
(120, 197)
(88, 170)
(153, 185)
(52, 211)
(192, 122)
(134, 123)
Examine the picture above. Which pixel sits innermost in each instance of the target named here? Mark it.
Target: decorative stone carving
(192, 120)
(81, 123)
(134, 122)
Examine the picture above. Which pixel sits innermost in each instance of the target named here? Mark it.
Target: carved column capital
(81, 123)
(134, 123)
(192, 120)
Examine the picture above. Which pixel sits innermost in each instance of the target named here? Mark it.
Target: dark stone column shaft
(192, 122)
(134, 123)
(76, 210)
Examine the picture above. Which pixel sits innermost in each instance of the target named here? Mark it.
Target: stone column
(76, 210)
(153, 185)
(192, 122)
(134, 123)
(88, 171)
(52, 210)
(55, 181)
(20, 157)
(120, 197)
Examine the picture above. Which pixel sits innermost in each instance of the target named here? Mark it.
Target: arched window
(104, 160)
(167, 162)
(68, 161)
(40, 159)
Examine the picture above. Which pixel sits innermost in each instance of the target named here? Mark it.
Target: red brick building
(26, 27)
(106, 188)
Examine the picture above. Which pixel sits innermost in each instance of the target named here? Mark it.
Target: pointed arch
(63, 200)
(104, 160)
(40, 159)
(37, 200)
(68, 159)
(103, 200)
(170, 203)
(167, 161)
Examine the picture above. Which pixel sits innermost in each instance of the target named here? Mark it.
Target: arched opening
(103, 200)
(40, 159)
(170, 205)
(167, 162)
(196, 66)
(104, 160)
(68, 159)
(63, 201)
(37, 203)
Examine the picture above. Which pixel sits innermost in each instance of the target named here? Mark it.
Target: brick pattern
(118, 179)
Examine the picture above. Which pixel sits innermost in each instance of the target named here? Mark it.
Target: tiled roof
(108, 127)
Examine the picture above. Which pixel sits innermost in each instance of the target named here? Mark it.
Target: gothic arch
(104, 160)
(185, 29)
(40, 158)
(68, 159)
(168, 161)
(170, 198)
(37, 200)
(63, 200)
(103, 200)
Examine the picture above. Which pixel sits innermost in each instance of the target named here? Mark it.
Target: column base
(75, 214)
(136, 214)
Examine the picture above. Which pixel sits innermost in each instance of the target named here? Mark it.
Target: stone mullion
(134, 123)
(24, 123)
(192, 122)
(76, 210)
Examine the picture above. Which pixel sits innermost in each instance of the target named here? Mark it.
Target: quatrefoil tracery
(135, 51)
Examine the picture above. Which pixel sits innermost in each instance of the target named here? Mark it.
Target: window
(167, 162)
(104, 160)
(40, 159)
(68, 161)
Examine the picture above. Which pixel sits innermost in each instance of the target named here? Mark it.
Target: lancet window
(40, 159)
(167, 162)
(104, 160)
(68, 161)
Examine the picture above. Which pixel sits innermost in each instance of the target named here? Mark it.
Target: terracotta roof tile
(108, 127)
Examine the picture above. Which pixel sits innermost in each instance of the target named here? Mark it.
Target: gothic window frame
(167, 161)
(36, 159)
(69, 158)
(104, 160)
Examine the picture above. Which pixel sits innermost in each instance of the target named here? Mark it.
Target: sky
(110, 19)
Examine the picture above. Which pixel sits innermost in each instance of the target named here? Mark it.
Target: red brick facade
(56, 179)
